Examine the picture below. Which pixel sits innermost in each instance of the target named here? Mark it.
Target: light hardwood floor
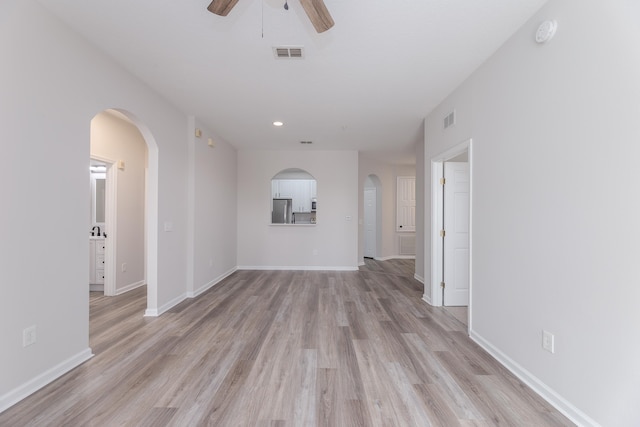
(282, 348)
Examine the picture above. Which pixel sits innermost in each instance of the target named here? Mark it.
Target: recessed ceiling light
(278, 124)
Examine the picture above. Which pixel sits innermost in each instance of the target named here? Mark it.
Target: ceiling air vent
(288, 52)
(450, 119)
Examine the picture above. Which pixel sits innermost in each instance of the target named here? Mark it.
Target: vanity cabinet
(96, 261)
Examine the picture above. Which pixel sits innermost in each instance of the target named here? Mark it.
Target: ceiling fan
(316, 11)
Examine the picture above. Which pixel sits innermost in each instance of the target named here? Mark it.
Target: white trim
(387, 258)
(419, 278)
(296, 268)
(191, 207)
(543, 390)
(150, 312)
(426, 298)
(206, 287)
(130, 287)
(14, 396)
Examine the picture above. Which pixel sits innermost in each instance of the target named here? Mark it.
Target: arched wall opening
(372, 216)
(150, 207)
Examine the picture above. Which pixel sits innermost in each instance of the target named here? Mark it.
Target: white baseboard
(296, 268)
(427, 298)
(166, 307)
(14, 396)
(96, 288)
(130, 287)
(419, 278)
(557, 401)
(387, 258)
(206, 287)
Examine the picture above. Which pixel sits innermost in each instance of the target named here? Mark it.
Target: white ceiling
(366, 84)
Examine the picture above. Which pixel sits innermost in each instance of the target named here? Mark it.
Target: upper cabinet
(300, 191)
(301, 188)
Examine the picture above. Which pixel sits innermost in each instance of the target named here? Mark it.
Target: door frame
(110, 224)
(437, 168)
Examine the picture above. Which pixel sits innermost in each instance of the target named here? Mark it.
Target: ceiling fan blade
(318, 14)
(221, 7)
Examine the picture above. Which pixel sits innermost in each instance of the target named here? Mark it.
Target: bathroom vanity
(96, 263)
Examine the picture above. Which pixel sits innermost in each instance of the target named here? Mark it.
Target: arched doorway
(133, 236)
(372, 216)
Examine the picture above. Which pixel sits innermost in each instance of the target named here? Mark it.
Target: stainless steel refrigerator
(281, 213)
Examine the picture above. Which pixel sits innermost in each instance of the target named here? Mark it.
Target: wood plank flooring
(283, 348)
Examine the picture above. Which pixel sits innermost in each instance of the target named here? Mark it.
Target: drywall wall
(387, 173)
(330, 244)
(555, 132)
(116, 139)
(212, 190)
(52, 83)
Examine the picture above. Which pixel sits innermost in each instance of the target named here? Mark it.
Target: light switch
(168, 226)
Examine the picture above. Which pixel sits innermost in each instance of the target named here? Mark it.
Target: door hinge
(442, 233)
(442, 181)
(442, 285)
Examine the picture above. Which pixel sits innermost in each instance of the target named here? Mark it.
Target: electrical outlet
(210, 263)
(548, 341)
(29, 336)
(124, 267)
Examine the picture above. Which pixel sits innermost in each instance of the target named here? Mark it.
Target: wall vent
(450, 119)
(288, 52)
(407, 245)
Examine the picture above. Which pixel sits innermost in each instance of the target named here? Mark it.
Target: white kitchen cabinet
(283, 188)
(300, 191)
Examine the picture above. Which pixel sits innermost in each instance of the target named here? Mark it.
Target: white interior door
(456, 238)
(370, 222)
(406, 204)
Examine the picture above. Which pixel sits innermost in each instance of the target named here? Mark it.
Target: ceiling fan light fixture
(278, 123)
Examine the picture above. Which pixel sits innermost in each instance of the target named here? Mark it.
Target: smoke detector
(546, 31)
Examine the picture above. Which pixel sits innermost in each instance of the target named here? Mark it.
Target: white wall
(388, 174)
(117, 139)
(52, 83)
(555, 133)
(334, 238)
(213, 203)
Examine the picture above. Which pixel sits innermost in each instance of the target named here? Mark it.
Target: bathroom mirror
(293, 197)
(98, 192)
(100, 199)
